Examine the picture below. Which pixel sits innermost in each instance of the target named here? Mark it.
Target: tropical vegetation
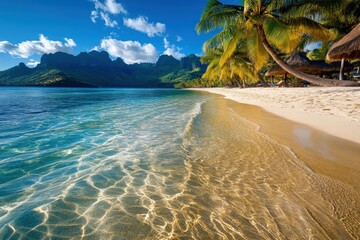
(256, 32)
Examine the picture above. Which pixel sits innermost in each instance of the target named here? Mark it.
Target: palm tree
(264, 24)
(230, 70)
(234, 72)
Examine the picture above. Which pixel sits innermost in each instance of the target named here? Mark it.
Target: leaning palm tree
(265, 24)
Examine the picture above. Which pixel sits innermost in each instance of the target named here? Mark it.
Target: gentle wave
(196, 111)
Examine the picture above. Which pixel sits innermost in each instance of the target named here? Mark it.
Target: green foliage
(201, 82)
(317, 54)
(248, 34)
(18, 76)
(216, 15)
(182, 76)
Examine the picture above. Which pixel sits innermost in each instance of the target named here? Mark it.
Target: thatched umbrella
(300, 62)
(346, 48)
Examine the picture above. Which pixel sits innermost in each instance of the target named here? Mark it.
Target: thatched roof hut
(300, 62)
(346, 48)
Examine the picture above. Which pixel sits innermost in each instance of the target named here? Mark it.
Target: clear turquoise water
(84, 148)
(152, 164)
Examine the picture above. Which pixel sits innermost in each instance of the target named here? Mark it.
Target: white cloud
(178, 38)
(166, 43)
(141, 24)
(33, 63)
(172, 50)
(69, 43)
(96, 48)
(109, 6)
(107, 20)
(130, 51)
(105, 9)
(43, 45)
(114, 8)
(94, 16)
(175, 52)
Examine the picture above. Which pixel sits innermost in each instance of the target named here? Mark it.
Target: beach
(334, 110)
(92, 164)
(321, 127)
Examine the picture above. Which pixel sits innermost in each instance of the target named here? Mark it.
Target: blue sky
(135, 30)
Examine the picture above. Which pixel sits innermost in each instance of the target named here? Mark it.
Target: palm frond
(232, 45)
(305, 25)
(304, 8)
(218, 39)
(256, 50)
(244, 71)
(251, 5)
(281, 34)
(211, 54)
(217, 15)
(344, 18)
(211, 69)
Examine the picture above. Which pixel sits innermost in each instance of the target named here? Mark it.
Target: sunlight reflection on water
(151, 164)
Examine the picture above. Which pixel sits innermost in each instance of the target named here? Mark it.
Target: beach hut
(346, 48)
(300, 62)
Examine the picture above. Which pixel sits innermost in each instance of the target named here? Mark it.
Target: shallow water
(150, 164)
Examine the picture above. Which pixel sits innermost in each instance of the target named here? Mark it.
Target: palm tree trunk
(324, 82)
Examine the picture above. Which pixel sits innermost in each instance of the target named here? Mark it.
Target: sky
(134, 30)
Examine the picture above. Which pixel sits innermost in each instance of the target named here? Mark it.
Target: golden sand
(333, 110)
(270, 180)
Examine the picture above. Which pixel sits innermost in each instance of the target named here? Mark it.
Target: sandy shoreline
(335, 111)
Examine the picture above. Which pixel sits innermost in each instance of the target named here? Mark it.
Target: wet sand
(272, 179)
(325, 154)
(334, 110)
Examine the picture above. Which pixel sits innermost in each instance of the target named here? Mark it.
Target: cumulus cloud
(105, 9)
(130, 51)
(141, 24)
(43, 45)
(32, 63)
(172, 50)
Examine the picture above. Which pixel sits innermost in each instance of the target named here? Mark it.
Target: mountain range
(97, 69)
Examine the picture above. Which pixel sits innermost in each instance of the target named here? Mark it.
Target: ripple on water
(112, 170)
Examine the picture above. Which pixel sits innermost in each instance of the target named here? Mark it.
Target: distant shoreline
(334, 110)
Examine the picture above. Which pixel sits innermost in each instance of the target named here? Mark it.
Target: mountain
(190, 69)
(96, 69)
(166, 64)
(191, 62)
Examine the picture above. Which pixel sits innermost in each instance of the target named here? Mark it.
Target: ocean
(150, 164)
